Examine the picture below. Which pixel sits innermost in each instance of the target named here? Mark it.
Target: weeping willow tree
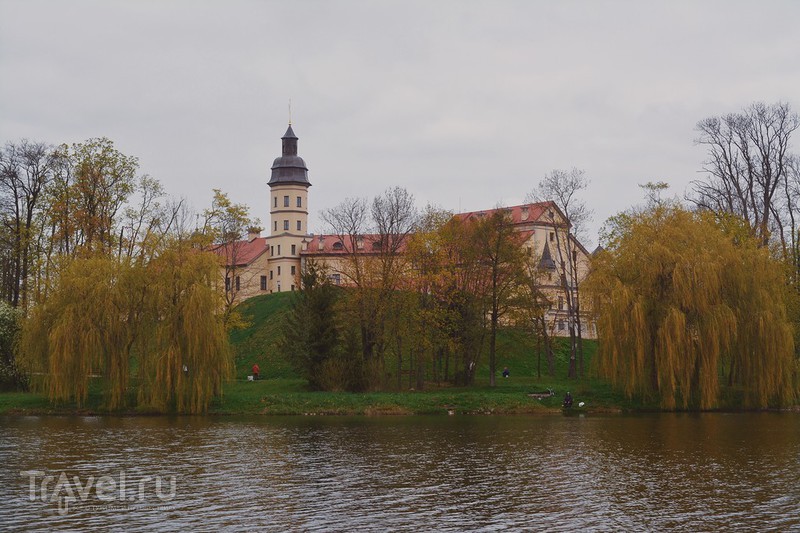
(185, 355)
(81, 332)
(687, 305)
(111, 317)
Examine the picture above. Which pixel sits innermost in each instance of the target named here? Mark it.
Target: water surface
(693, 472)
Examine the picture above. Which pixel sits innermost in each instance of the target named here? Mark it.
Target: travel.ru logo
(120, 490)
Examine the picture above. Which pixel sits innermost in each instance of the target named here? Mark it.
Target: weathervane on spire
(290, 111)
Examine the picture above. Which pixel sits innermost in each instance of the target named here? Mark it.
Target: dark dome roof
(289, 167)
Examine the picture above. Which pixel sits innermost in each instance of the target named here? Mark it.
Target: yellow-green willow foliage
(186, 356)
(154, 328)
(687, 305)
(80, 331)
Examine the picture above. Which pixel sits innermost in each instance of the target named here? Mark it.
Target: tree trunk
(399, 362)
(411, 368)
(420, 372)
(548, 347)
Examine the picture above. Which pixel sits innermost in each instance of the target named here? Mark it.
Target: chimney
(253, 233)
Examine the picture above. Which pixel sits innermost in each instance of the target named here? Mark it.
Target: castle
(262, 265)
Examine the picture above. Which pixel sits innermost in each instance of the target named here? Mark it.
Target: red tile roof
(371, 245)
(242, 252)
(245, 252)
(520, 214)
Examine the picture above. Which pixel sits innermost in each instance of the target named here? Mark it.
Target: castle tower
(288, 187)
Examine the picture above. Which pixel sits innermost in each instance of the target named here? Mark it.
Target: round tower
(288, 187)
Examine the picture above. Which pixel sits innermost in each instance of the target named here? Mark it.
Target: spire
(289, 167)
(289, 142)
(547, 260)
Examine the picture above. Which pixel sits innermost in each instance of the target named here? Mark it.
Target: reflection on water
(659, 471)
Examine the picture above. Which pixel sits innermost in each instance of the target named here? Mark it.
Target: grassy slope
(258, 342)
(282, 393)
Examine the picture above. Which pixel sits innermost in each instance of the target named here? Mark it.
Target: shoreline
(375, 411)
(290, 397)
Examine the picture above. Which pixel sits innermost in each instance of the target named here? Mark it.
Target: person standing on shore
(256, 372)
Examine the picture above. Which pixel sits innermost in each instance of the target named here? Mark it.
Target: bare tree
(26, 169)
(563, 188)
(349, 222)
(791, 210)
(372, 237)
(749, 165)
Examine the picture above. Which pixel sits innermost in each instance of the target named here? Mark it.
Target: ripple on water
(684, 472)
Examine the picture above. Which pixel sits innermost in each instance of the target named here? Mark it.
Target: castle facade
(263, 265)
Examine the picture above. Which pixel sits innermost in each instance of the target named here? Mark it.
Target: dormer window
(338, 245)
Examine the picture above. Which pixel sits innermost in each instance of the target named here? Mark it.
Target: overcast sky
(465, 103)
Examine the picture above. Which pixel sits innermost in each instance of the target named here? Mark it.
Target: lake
(693, 472)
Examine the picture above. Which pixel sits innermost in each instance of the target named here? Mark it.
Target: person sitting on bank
(506, 373)
(256, 371)
(568, 400)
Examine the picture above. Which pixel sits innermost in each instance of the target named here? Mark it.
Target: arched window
(338, 245)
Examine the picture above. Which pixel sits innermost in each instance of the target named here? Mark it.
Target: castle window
(299, 226)
(279, 253)
(270, 274)
(294, 270)
(292, 288)
(263, 283)
(338, 245)
(271, 250)
(299, 201)
(285, 201)
(376, 245)
(561, 326)
(238, 285)
(227, 283)
(275, 202)
(552, 236)
(279, 271)
(294, 252)
(286, 225)
(560, 303)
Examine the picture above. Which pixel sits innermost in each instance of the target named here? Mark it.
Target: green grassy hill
(258, 343)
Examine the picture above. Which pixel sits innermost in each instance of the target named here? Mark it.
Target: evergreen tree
(311, 337)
